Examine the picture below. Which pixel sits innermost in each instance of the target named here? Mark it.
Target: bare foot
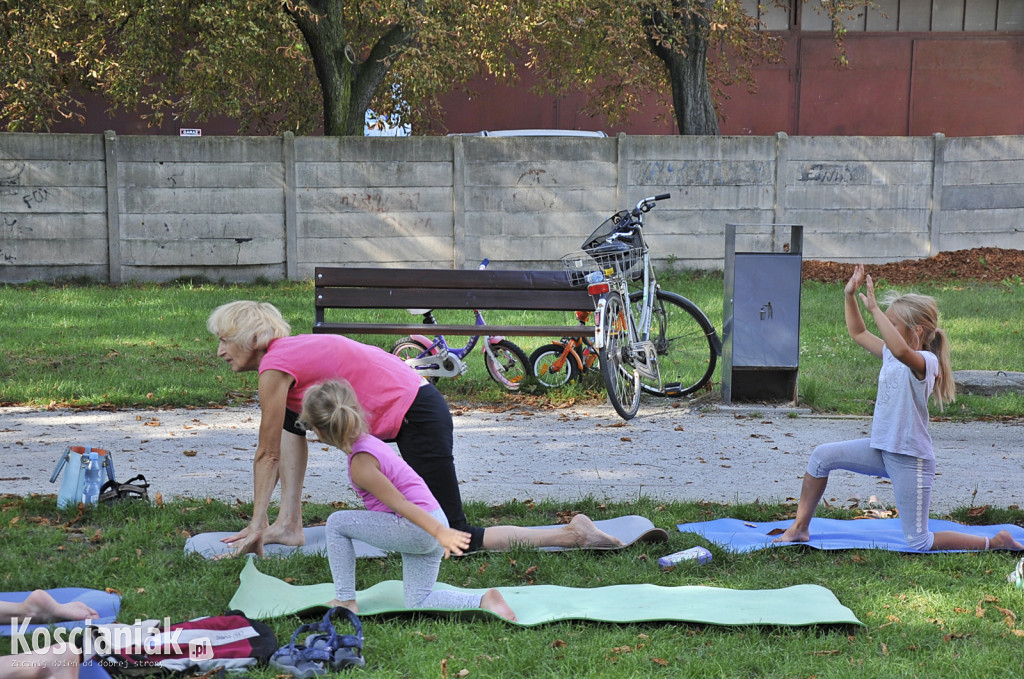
(281, 535)
(794, 534)
(42, 607)
(589, 536)
(350, 605)
(1003, 540)
(494, 602)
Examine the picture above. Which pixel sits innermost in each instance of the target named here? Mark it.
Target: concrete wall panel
(157, 208)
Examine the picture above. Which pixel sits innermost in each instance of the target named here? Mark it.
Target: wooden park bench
(379, 288)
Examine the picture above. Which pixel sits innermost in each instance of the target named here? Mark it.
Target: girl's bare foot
(494, 602)
(42, 607)
(794, 534)
(350, 605)
(589, 536)
(1003, 540)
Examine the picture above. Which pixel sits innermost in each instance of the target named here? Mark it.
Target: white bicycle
(649, 340)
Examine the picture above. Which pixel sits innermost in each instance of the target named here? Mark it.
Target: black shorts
(291, 423)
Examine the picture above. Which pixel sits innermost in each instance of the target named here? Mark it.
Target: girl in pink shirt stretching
(401, 514)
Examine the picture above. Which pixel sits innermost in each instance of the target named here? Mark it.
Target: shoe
(346, 650)
(324, 651)
(135, 488)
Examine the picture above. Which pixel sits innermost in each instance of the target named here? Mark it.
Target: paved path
(666, 452)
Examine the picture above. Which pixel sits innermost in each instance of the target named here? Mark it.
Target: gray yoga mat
(630, 529)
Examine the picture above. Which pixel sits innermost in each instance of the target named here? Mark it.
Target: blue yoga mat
(106, 604)
(745, 536)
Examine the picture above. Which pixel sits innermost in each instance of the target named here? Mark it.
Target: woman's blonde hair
(250, 325)
(332, 409)
(915, 310)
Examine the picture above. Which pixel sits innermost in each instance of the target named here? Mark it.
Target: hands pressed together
(857, 279)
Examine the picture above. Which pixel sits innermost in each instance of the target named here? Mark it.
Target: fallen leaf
(558, 643)
(190, 453)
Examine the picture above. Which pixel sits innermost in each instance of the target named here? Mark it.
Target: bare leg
(810, 495)
(56, 662)
(948, 539)
(580, 532)
(287, 528)
(494, 602)
(350, 604)
(42, 607)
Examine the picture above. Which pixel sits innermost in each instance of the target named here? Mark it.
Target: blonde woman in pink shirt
(398, 406)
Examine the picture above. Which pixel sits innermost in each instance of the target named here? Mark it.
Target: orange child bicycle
(562, 362)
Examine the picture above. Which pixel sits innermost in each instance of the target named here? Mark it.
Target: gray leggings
(421, 556)
(911, 481)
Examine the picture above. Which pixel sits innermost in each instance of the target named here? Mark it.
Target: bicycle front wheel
(682, 336)
(509, 365)
(620, 375)
(555, 365)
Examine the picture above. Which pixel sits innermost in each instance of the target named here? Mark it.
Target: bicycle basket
(616, 260)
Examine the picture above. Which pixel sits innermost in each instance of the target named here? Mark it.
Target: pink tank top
(397, 470)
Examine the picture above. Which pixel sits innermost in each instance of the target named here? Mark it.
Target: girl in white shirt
(915, 366)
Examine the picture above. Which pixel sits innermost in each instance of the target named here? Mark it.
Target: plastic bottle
(695, 554)
(91, 487)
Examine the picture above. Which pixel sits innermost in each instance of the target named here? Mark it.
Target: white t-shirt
(900, 423)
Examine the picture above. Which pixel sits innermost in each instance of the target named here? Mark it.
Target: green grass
(147, 345)
(935, 615)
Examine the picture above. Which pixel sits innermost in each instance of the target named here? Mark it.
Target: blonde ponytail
(921, 310)
(332, 409)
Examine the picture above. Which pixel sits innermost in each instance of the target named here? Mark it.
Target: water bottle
(695, 554)
(595, 277)
(91, 487)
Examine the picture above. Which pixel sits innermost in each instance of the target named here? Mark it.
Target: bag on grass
(230, 642)
(79, 471)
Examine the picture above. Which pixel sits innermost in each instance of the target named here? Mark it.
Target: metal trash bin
(761, 312)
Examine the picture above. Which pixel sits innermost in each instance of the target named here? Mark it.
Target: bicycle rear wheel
(544, 364)
(620, 376)
(509, 366)
(682, 336)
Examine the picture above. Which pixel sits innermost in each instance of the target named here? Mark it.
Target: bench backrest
(365, 288)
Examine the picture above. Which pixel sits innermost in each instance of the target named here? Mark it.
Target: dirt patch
(976, 264)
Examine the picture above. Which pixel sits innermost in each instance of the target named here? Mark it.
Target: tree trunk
(347, 85)
(680, 41)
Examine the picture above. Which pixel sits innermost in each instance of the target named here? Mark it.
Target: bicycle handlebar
(645, 204)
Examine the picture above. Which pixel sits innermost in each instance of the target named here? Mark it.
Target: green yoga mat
(262, 596)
